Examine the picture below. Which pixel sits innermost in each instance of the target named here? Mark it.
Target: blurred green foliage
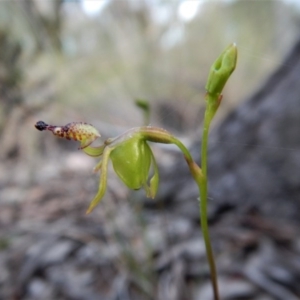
(96, 65)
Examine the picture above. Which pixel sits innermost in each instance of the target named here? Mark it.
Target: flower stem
(202, 184)
(200, 176)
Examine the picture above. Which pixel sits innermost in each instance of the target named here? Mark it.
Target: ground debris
(124, 250)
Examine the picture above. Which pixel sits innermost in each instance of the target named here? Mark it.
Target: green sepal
(103, 180)
(154, 181)
(94, 151)
(98, 166)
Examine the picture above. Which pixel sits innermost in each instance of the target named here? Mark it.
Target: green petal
(94, 151)
(154, 181)
(98, 166)
(103, 181)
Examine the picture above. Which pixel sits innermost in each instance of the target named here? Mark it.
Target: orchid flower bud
(221, 70)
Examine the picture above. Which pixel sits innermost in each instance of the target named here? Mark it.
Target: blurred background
(89, 60)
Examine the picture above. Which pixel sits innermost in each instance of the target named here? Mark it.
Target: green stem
(200, 176)
(202, 184)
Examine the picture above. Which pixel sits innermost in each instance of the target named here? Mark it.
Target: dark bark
(254, 155)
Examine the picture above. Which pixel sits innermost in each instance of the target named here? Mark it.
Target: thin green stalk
(219, 73)
(200, 176)
(202, 184)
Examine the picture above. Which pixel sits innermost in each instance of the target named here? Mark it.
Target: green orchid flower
(130, 154)
(131, 158)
